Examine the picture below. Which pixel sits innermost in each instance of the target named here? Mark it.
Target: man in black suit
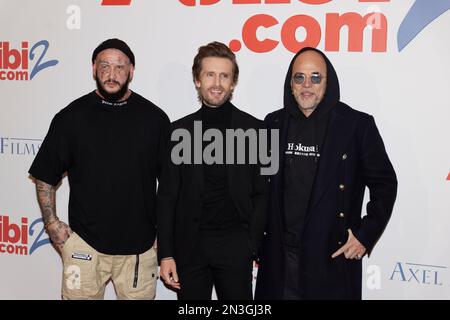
(212, 211)
(330, 153)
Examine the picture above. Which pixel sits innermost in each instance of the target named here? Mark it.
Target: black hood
(331, 96)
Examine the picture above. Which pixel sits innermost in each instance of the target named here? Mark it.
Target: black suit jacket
(353, 157)
(179, 202)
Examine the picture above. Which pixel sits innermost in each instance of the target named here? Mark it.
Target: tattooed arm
(46, 197)
(58, 231)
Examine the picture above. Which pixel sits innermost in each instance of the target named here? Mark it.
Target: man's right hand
(59, 232)
(168, 272)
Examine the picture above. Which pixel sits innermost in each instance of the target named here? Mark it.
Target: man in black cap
(111, 143)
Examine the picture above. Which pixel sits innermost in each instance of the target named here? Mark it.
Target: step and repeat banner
(391, 56)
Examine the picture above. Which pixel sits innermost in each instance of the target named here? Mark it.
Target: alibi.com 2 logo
(25, 62)
(21, 238)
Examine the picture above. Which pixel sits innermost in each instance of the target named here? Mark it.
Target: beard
(116, 96)
(306, 104)
(215, 103)
(312, 105)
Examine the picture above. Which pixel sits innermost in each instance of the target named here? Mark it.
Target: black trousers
(292, 288)
(220, 260)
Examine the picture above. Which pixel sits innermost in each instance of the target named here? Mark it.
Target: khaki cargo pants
(86, 272)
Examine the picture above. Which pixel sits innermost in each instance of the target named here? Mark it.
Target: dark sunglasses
(316, 78)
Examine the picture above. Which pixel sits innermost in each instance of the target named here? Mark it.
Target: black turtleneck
(218, 211)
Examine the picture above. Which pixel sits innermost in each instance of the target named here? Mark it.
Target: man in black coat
(329, 153)
(211, 211)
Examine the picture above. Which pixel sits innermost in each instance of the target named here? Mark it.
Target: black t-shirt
(302, 154)
(112, 153)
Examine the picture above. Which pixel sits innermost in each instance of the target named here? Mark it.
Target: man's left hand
(352, 249)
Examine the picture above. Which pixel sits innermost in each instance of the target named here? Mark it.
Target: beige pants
(86, 272)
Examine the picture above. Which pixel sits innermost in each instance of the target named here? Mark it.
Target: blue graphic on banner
(421, 14)
(38, 242)
(39, 66)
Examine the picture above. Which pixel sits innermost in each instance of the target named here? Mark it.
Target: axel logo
(14, 238)
(418, 273)
(15, 64)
